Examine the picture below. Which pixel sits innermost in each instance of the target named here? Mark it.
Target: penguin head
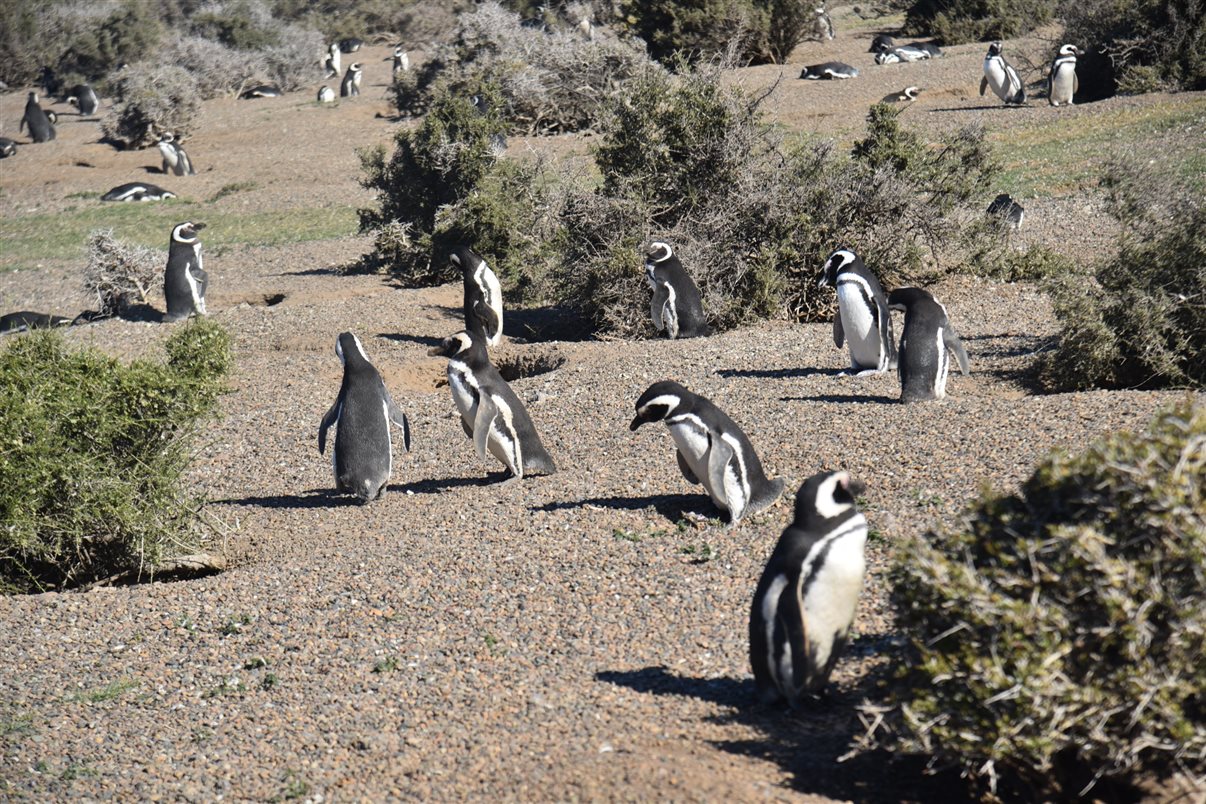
(355, 68)
(658, 252)
(911, 92)
(466, 259)
(186, 232)
(994, 49)
(460, 344)
(825, 496)
(834, 265)
(659, 401)
(886, 57)
(1069, 50)
(902, 298)
(52, 117)
(349, 349)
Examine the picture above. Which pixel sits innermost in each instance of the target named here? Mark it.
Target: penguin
(829, 70)
(498, 143)
(902, 53)
(906, 95)
(332, 63)
(927, 336)
(822, 25)
(137, 191)
(84, 98)
(1062, 82)
(52, 116)
(483, 296)
(999, 74)
(929, 47)
(1008, 210)
(26, 320)
(351, 44)
(326, 94)
(350, 86)
(261, 91)
(491, 413)
(184, 279)
(586, 28)
(175, 160)
(7, 147)
(887, 57)
(401, 60)
(862, 317)
(363, 459)
(805, 601)
(676, 307)
(881, 42)
(41, 128)
(712, 450)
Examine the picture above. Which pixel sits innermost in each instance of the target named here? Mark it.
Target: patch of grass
(110, 692)
(232, 188)
(626, 535)
(269, 681)
(18, 726)
(77, 770)
(294, 786)
(700, 554)
(233, 685)
(235, 625)
(255, 663)
(387, 665)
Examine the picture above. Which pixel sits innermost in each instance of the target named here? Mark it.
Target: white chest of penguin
(464, 390)
(692, 439)
(857, 321)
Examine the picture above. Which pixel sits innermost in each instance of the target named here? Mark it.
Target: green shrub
(149, 100)
(1143, 323)
(1058, 633)
(129, 34)
(93, 452)
(699, 30)
(954, 22)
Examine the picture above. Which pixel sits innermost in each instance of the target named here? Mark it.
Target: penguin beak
(437, 351)
(823, 281)
(198, 227)
(854, 487)
(636, 422)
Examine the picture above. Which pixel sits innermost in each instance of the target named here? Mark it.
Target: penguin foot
(865, 372)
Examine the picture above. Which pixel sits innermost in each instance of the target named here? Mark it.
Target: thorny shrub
(120, 275)
(149, 100)
(954, 22)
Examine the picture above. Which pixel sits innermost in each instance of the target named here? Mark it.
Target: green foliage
(151, 99)
(695, 30)
(1143, 323)
(954, 22)
(1152, 44)
(1063, 627)
(128, 35)
(93, 452)
(242, 25)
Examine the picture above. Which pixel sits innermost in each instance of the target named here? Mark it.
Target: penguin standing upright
(184, 279)
(927, 336)
(332, 63)
(806, 598)
(1062, 82)
(41, 129)
(862, 317)
(84, 98)
(350, 86)
(822, 25)
(491, 413)
(364, 452)
(1007, 210)
(483, 296)
(712, 450)
(676, 308)
(401, 61)
(175, 160)
(999, 74)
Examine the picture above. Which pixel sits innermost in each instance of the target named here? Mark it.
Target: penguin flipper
(1075, 82)
(331, 416)
(719, 457)
(952, 341)
(839, 336)
(488, 319)
(685, 468)
(398, 417)
(983, 85)
(669, 313)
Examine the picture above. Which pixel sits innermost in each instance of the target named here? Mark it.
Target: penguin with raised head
(1000, 75)
(1009, 211)
(332, 62)
(676, 307)
(7, 147)
(906, 95)
(712, 450)
(41, 128)
(927, 336)
(491, 413)
(83, 97)
(326, 94)
(184, 279)
(828, 71)
(137, 191)
(175, 160)
(261, 91)
(401, 61)
(482, 297)
(350, 86)
(862, 318)
(363, 458)
(805, 601)
(881, 42)
(1062, 82)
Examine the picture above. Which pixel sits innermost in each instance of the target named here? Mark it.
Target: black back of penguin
(184, 279)
(666, 273)
(36, 120)
(927, 336)
(482, 296)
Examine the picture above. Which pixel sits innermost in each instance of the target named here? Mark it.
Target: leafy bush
(129, 34)
(1143, 323)
(35, 33)
(1058, 633)
(699, 30)
(151, 99)
(954, 22)
(93, 455)
(1151, 44)
(120, 275)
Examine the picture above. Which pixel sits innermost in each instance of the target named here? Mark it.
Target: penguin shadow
(985, 108)
(311, 272)
(1009, 348)
(312, 498)
(674, 507)
(536, 324)
(401, 337)
(437, 485)
(876, 399)
(780, 374)
(141, 314)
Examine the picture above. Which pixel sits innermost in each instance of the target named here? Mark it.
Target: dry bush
(120, 275)
(954, 22)
(217, 69)
(1151, 45)
(150, 99)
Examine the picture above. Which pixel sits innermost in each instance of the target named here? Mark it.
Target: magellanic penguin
(881, 42)
(830, 70)
(1062, 82)
(862, 318)
(999, 74)
(184, 279)
(261, 91)
(906, 95)
(482, 298)
(83, 97)
(677, 308)
(491, 413)
(805, 601)
(711, 449)
(332, 62)
(27, 320)
(364, 452)
(7, 147)
(351, 44)
(326, 94)
(137, 191)
(927, 336)
(1008, 210)
(350, 86)
(401, 61)
(175, 160)
(41, 129)
(822, 25)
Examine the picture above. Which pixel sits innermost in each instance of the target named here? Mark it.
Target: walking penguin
(83, 97)
(482, 298)
(999, 74)
(184, 279)
(41, 128)
(927, 336)
(363, 458)
(862, 318)
(676, 307)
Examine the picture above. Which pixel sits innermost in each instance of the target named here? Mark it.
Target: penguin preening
(483, 305)
(1062, 82)
(137, 191)
(41, 126)
(326, 94)
(830, 70)
(175, 160)
(401, 61)
(712, 450)
(805, 601)
(491, 414)
(927, 336)
(1000, 75)
(906, 95)
(332, 62)
(350, 85)
(184, 279)
(363, 458)
(676, 307)
(84, 98)
(862, 317)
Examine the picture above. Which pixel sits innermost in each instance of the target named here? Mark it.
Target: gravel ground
(578, 636)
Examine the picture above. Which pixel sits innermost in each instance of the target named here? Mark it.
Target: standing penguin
(822, 25)
(332, 63)
(184, 279)
(862, 317)
(326, 94)
(84, 98)
(401, 60)
(805, 601)
(1062, 82)
(491, 413)
(483, 296)
(175, 160)
(1000, 75)
(712, 450)
(677, 308)
(350, 86)
(364, 452)
(41, 129)
(923, 344)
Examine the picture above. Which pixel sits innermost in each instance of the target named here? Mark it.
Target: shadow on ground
(313, 498)
(876, 399)
(673, 507)
(781, 374)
